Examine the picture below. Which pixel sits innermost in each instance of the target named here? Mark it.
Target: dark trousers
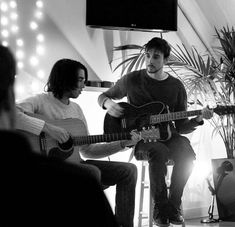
(124, 176)
(179, 150)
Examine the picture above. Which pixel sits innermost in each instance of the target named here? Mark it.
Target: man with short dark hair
(153, 85)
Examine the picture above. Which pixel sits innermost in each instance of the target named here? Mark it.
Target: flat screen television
(142, 15)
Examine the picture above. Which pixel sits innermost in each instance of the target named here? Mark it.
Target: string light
(20, 54)
(5, 43)
(4, 21)
(38, 14)
(13, 35)
(14, 28)
(13, 4)
(33, 60)
(39, 4)
(40, 38)
(40, 50)
(4, 7)
(13, 16)
(19, 42)
(5, 33)
(40, 74)
(33, 25)
(20, 65)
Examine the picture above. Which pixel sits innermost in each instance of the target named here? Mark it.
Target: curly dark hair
(158, 44)
(63, 76)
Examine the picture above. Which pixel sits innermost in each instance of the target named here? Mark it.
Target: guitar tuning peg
(150, 140)
(143, 128)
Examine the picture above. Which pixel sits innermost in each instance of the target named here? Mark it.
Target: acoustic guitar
(154, 113)
(77, 129)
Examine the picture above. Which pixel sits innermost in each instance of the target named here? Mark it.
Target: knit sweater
(51, 108)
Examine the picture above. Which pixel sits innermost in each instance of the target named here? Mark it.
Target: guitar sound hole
(68, 145)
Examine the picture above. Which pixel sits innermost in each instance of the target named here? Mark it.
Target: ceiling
(67, 36)
(197, 20)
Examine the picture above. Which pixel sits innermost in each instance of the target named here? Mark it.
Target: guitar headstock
(150, 134)
(224, 109)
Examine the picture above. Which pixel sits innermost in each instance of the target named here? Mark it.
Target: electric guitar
(77, 129)
(154, 113)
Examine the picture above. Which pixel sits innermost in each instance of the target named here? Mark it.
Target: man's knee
(91, 171)
(131, 170)
(181, 150)
(154, 152)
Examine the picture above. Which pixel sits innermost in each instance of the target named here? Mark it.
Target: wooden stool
(145, 185)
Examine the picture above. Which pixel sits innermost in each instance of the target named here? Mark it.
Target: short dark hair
(64, 76)
(158, 44)
(7, 75)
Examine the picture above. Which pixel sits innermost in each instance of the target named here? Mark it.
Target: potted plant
(226, 38)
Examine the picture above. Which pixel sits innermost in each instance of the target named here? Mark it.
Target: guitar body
(150, 121)
(46, 145)
(137, 118)
(153, 114)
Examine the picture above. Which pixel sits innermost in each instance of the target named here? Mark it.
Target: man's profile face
(80, 85)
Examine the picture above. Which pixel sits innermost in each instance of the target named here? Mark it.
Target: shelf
(100, 86)
(99, 89)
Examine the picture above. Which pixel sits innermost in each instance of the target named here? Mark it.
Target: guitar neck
(82, 140)
(154, 119)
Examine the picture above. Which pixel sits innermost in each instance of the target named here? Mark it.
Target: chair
(144, 185)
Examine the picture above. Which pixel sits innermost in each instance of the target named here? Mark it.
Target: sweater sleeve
(101, 150)
(24, 121)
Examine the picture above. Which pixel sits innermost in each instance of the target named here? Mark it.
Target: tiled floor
(197, 223)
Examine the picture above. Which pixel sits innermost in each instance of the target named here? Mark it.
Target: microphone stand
(213, 191)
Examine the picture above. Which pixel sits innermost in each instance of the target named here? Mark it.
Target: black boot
(175, 215)
(160, 215)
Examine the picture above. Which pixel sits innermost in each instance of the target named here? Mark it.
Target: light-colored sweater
(51, 108)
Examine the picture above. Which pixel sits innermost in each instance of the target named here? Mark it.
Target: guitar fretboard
(154, 119)
(82, 140)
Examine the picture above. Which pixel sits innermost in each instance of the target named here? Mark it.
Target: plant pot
(224, 185)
